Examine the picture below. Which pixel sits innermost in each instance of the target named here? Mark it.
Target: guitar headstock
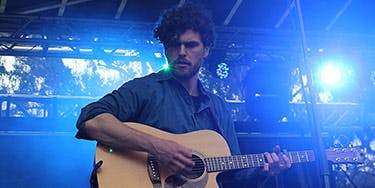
(345, 155)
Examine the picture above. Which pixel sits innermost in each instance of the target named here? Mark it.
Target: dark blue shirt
(160, 101)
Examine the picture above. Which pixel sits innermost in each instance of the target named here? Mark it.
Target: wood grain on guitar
(211, 155)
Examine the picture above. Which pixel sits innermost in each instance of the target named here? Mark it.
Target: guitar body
(129, 168)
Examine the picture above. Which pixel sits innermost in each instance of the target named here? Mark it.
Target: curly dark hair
(176, 21)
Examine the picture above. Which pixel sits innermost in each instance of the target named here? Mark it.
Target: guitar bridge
(153, 171)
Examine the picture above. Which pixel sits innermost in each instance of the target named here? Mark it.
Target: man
(171, 100)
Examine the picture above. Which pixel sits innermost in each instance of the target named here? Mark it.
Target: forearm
(108, 130)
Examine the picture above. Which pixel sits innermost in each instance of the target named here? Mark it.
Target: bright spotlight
(330, 75)
(337, 79)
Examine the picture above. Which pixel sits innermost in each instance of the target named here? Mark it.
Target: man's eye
(191, 44)
(173, 45)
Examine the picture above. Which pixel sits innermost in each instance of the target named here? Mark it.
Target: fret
(312, 156)
(217, 166)
(299, 159)
(290, 157)
(212, 163)
(230, 162)
(257, 158)
(213, 166)
(234, 162)
(252, 160)
(222, 163)
(209, 164)
(307, 156)
(217, 162)
(234, 166)
(237, 157)
(261, 159)
(226, 162)
(302, 156)
(245, 161)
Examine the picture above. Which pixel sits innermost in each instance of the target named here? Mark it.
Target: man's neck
(190, 84)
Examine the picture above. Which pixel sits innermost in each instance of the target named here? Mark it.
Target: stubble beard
(186, 74)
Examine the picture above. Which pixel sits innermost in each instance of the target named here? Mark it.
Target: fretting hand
(274, 164)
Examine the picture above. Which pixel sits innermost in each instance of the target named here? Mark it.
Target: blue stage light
(331, 75)
(222, 70)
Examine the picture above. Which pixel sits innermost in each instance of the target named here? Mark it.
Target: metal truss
(28, 106)
(89, 38)
(76, 38)
(42, 107)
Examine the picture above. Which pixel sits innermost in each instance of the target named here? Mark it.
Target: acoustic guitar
(211, 155)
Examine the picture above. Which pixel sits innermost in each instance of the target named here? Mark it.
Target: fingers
(277, 149)
(175, 157)
(185, 160)
(288, 164)
(276, 162)
(266, 167)
(269, 160)
(272, 158)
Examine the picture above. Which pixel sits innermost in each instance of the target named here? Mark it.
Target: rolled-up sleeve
(123, 103)
(88, 112)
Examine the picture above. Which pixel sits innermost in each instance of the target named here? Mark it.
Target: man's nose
(182, 50)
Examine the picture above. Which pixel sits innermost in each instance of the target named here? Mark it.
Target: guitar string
(200, 164)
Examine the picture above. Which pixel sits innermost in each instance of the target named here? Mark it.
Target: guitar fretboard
(215, 164)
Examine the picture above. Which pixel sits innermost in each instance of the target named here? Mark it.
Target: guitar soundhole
(198, 169)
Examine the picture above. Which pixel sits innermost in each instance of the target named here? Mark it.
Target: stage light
(330, 75)
(334, 74)
(337, 78)
(166, 66)
(222, 70)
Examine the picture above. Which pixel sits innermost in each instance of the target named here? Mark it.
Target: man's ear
(206, 51)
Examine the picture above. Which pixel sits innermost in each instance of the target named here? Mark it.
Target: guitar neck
(215, 164)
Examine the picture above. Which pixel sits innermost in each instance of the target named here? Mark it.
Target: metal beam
(62, 8)
(120, 9)
(41, 9)
(30, 31)
(285, 14)
(232, 12)
(339, 13)
(3, 4)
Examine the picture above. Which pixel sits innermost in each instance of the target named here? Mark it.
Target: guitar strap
(93, 177)
(212, 110)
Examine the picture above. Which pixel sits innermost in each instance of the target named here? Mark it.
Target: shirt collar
(164, 75)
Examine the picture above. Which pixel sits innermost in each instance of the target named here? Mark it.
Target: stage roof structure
(95, 28)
